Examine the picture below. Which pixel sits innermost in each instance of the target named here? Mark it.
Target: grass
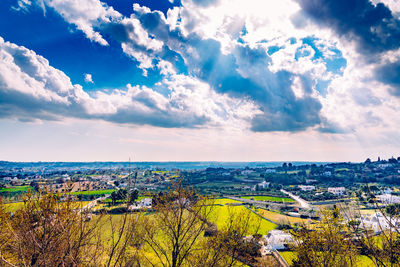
(95, 192)
(22, 189)
(269, 198)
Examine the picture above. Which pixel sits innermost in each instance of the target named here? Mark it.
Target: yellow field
(368, 212)
(12, 207)
(289, 256)
(221, 215)
(281, 218)
(363, 261)
(223, 201)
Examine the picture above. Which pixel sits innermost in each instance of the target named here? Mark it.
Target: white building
(264, 184)
(337, 190)
(145, 202)
(387, 190)
(307, 187)
(244, 172)
(277, 240)
(388, 198)
(7, 179)
(270, 171)
(327, 173)
(385, 165)
(378, 222)
(310, 181)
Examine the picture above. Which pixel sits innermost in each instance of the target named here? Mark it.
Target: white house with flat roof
(277, 240)
(337, 190)
(264, 184)
(307, 187)
(388, 198)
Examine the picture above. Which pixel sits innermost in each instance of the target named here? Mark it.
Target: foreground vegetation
(183, 229)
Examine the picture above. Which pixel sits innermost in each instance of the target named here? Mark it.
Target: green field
(22, 189)
(107, 200)
(96, 192)
(269, 198)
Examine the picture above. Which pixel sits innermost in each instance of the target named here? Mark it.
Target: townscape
(200, 133)
(283, 196)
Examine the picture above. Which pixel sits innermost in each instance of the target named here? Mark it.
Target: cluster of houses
(379, 222)
(338, 191)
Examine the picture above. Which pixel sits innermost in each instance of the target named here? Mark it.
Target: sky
(199, 80)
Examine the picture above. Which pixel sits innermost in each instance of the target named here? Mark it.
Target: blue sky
(227, 80)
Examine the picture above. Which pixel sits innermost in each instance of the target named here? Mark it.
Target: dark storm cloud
(373, 27)
(390, 74)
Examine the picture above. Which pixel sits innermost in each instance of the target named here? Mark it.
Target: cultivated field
(269, 198)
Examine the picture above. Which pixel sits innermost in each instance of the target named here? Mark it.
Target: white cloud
(94, 17)
(86, 15)
(22, 5)
(259, 24)
(31, 89)
(88, 78)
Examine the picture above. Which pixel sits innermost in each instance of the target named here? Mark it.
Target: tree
(227, 247)
(48, 232)
(180, 219)
(35, 185)
(114, 197)
(134, 195)
(329, 244)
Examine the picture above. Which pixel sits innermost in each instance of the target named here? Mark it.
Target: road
(304, 204)
(258, 202)
(93, 203)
